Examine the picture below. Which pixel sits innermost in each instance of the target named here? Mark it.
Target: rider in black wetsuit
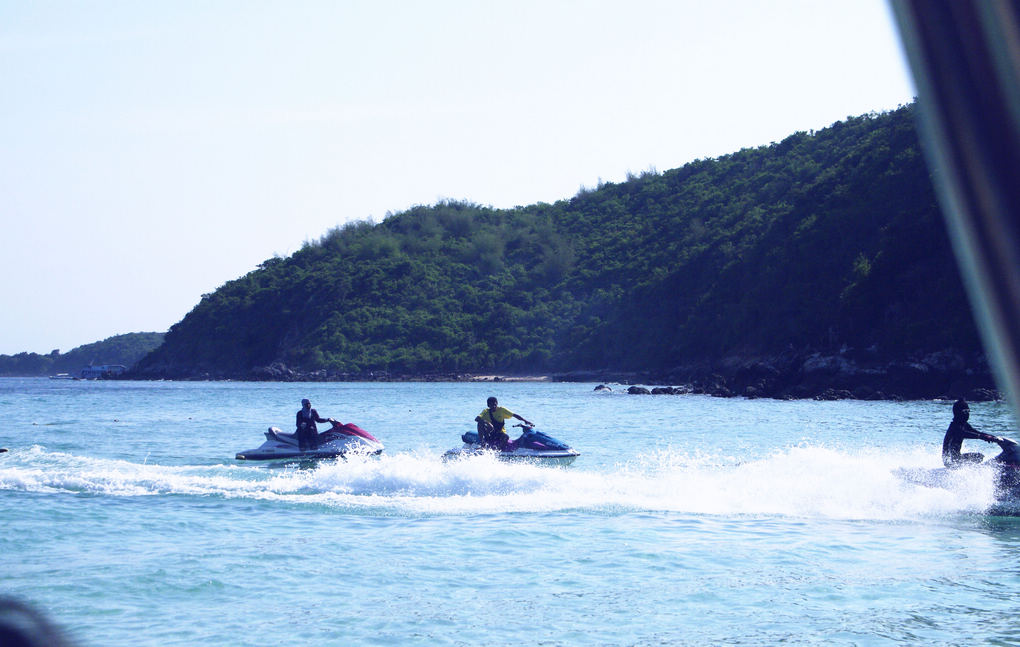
(959, 429)
(307, 434)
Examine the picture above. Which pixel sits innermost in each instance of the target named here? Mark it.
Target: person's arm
(484, 426)
(315, 416)
(974, 434)
(523, 420)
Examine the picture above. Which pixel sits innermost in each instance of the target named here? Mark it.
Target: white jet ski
(532, 446)
(338, 441)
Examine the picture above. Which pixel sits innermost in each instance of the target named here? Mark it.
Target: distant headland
(108, 358)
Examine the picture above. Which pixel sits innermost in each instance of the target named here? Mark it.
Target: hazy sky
(152, 151)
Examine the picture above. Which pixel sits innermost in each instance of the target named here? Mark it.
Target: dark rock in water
(983, 395)
(663, 390)
(865, 392)
(602, 387)
(715, 385)
(2, 450)
(274, 372)
(798, 392)
(834, 394)
(638, 390)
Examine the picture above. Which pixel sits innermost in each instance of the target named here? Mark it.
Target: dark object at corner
(969, 98)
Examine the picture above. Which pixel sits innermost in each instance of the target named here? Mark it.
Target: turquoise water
(688, 520)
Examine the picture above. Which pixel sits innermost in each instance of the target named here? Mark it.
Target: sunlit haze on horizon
(150, 152)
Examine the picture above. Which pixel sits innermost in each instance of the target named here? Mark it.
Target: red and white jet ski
(338, 441)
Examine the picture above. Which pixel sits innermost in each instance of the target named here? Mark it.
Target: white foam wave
(801, 481)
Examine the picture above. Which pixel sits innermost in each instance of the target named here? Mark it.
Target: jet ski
(532, 445)
(338, 441)
(1005, 466)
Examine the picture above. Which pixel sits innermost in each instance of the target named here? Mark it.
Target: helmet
(960, 408)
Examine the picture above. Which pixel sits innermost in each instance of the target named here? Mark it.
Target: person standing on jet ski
(492, 424)
(959, 429)
(307, 434)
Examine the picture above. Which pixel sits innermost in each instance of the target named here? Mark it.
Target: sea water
(687, 520)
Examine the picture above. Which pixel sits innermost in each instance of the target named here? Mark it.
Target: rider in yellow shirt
(492, 424)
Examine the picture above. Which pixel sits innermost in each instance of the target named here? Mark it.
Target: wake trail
(801, 481)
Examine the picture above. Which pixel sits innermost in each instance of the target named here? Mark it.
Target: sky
(152, 151)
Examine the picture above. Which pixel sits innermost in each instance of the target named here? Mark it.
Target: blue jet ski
(532, 445)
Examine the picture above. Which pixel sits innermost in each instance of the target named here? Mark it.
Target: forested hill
(827, 244)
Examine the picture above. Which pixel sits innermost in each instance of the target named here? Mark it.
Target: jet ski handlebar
(1010, 452)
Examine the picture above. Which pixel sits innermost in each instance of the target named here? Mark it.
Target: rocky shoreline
(943, 375)
(805, 375)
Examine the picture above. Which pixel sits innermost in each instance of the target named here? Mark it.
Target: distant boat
(62, 376)
(102, 371)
